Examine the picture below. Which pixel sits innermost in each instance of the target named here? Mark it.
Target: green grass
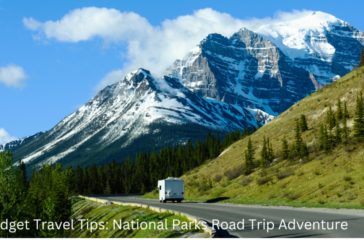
(85, 209)
(333, 180)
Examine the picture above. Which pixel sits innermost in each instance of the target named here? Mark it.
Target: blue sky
(54, 56)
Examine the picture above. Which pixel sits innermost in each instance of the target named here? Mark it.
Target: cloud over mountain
(150, 47)
(5, 136)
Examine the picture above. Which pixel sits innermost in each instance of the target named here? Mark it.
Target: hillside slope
(335, 179)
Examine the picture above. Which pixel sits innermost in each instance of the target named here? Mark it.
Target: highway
(351, 220)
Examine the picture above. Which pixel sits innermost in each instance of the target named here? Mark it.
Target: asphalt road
(213, 212)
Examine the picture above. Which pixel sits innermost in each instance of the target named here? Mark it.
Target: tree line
(46, 195)
(142, 174)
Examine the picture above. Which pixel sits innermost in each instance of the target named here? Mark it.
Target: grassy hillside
(85, 209)
(334, 179)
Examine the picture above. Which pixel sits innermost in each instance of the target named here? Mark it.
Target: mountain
(275, 66)
(221, 85)
(16, 143)
(140, 111)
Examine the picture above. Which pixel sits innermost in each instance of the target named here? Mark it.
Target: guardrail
(211, 231)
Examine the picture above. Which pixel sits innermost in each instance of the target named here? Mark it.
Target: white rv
(171, 189)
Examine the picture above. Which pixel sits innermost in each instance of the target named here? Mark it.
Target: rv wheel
(179, 201)
(164, 201)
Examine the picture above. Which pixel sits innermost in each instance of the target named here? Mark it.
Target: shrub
(320, 185)
(284, 194)
(246, 181)
(281, 175)
(203, 187)
(321, 202)
(270, 196)
(235, 172)
(362, 202)
(300, 173)
(264, 180)
(224, 183)
(262, 174)
(217, 178)
(317, 172)
(348, 149)
(351, 197)
(347, 178)
(86, 210)
(292, 196)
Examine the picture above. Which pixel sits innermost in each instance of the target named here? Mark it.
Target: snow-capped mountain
(126, 111)
(15, 143)
(320, 43)
(221, 85)
(274, 67)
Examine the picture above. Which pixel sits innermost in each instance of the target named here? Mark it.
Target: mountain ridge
(222, 84)
(126, 110)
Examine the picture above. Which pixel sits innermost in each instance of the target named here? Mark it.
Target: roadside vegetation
(96, 212)
(312, 155)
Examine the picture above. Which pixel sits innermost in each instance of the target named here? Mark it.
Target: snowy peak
(308, 36)
(127, 111)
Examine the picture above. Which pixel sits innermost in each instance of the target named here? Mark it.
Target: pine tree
(330, 119)
(270, 151)
(285, 150)
(237, 134)
(249, 157)
(94, 179)
(338, 134)
(345, 129)
(339, 112)
(322, 137)
(298, 138)
(263, 153)
(346, 113)
(22, 173)
(303, 123)
(361, 62)
(326, 137)
(359, 118)
(246, 131)
(304, 150)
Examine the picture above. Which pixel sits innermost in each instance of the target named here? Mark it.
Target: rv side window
(160, 187)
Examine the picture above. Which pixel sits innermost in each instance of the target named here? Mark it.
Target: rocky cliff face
(246, 70)
(274, 67)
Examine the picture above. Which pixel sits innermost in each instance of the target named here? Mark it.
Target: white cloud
(13, 75)
(150, 47)
(111, 77)
(5, 136)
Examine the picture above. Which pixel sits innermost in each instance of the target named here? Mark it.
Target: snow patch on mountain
(15, 143)
(303, 36)
(128, 107)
